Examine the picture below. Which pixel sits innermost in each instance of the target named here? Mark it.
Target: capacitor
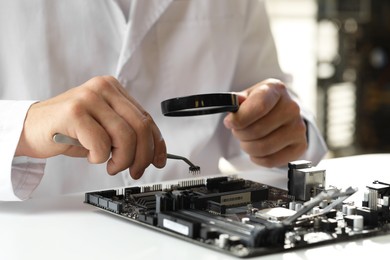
(344, 209)
(316, 210)
(234, 240)
(365, 199)
(323, 204)
(223, 240)
(291, 205)
(351, 210)
(317, 223)
(358, 221)
(298, 206)
(329, 225)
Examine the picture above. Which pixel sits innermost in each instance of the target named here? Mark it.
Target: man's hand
(268, 124)
(108, 122)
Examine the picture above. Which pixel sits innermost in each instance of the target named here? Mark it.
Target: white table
(65, 228)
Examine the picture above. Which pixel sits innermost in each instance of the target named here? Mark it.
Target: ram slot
(248, 234)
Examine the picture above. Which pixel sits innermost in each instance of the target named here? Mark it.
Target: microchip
(275, 214)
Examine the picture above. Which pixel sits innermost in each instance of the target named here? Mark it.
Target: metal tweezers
(64, 139)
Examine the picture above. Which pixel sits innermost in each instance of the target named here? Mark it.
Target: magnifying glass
(201, 104)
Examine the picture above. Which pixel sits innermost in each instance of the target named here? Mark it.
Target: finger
(242, 96)
(280, 158)
(123, 138)
(80, 124)
(284, 112)
(137, 118)
(145, 145)
(72, 150)
(292, 134)
(93, 138)
(123, 152)
(259, 102)
(257, 130)
(119, 137)
(141, 123)
(159, 155)
(160, 150)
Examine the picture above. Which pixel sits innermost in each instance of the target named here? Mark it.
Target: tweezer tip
(194, 170)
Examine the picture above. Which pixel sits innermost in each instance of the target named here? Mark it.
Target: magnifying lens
(201, 104)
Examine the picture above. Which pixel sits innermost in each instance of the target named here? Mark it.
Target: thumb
(228, 120)
(242, 96)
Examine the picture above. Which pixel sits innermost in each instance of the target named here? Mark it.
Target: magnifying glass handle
(201, 104)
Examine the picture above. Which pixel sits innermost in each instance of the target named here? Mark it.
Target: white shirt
(158, 49)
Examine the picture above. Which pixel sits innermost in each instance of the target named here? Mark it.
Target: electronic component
(245, 218)
(192, 169)
(305, 181)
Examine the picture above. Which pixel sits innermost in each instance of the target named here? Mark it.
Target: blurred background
(337, 52)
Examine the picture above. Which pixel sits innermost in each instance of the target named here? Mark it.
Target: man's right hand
(108, 122)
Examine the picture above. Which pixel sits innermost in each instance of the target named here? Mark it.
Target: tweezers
(64, 139)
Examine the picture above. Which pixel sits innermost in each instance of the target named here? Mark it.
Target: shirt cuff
(26, 175)
(317, 147)
(18, 176)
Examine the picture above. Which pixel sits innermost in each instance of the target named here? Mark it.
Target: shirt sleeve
(19, 176)
(317, 147)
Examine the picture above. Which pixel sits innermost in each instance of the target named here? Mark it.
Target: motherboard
(244, 218)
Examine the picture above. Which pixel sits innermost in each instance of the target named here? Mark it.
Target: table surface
(66, 228)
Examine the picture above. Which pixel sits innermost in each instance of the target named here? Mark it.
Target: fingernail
(136, 174)
(161, 159)
(227, 122)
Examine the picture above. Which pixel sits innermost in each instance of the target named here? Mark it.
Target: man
(155, 50)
